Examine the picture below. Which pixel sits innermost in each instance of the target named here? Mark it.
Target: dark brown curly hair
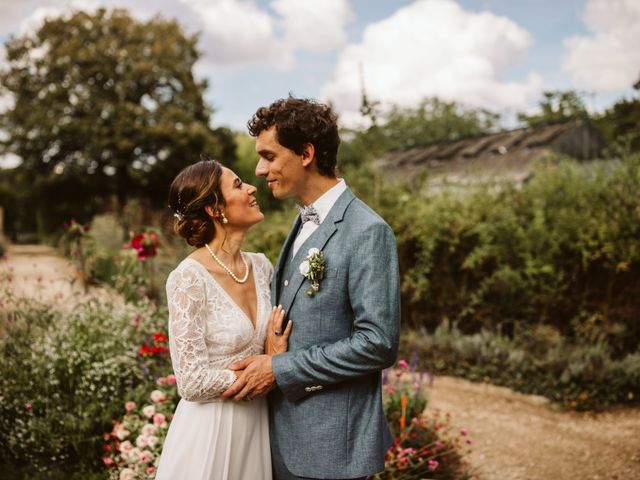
(195, 187)
(298, 122)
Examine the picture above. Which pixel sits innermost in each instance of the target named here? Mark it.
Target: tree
(432, 121)
(621, 123)
(556, 107)
(105, 104)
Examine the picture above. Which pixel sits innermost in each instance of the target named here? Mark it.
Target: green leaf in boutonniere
(312, 268)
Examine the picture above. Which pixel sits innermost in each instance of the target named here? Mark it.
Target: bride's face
(241, 209)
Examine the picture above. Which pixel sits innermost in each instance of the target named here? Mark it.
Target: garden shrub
(576, 376)
(64, 374)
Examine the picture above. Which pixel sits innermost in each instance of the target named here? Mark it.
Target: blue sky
(495, 54)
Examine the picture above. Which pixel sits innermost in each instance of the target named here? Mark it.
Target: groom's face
(280, 166)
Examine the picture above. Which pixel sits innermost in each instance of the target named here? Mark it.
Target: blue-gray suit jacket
(326, 416)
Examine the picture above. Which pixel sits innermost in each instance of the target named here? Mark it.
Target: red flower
(146, 244)
(144, 350)
(159, 337)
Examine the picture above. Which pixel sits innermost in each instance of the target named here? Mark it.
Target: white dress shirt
(323, 206)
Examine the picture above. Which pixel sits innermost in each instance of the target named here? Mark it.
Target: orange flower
(403, 418)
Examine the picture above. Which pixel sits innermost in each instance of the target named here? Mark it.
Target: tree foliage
(556, 107)
(621, 122)
(432, 121)
(105, 105)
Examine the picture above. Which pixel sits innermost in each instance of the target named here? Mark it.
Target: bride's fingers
(287, 331)
(279, 317)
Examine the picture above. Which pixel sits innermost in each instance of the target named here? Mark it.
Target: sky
(495, 54)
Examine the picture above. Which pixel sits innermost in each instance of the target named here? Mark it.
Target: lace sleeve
(187, 315)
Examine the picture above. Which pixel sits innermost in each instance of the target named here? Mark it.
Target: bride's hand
(277, 340)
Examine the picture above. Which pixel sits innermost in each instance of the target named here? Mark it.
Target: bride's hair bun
(195, 187)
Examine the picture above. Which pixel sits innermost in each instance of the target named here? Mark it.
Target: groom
(326, 416)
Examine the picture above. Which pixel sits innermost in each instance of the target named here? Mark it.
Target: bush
(561, 251)
(424, 446)
(64, 374)
(133, 446)
(582, 377)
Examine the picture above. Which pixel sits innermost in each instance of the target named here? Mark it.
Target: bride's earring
(224, 219)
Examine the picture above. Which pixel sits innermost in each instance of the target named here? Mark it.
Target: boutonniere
(312, 268)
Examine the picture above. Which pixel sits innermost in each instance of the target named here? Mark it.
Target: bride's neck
(228, 247)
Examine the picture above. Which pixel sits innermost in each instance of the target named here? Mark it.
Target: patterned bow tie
(309, 214)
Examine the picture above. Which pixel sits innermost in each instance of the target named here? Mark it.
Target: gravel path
(39, 272)
(519, 436)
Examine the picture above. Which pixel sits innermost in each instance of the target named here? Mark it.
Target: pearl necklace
(228, 270)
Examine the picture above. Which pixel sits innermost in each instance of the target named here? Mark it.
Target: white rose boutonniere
(312, 268)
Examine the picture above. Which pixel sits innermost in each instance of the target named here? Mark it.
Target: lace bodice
(208, 331)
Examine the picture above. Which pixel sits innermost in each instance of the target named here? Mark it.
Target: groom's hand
(255, 380)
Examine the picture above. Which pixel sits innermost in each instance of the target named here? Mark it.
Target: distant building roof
(505, 156)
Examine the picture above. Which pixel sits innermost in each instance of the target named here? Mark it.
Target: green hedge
(563, 251)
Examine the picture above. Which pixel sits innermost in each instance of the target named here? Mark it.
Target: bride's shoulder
(260, 259)
(188, 267)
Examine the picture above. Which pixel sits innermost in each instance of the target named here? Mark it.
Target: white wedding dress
(210, 438)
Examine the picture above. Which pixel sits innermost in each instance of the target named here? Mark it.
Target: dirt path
(519, 436)
(39, 272)
(516, 436)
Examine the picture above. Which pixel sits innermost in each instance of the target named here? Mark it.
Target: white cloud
(233, 32)
(236, 33)
(608, 59)
(314, 26)
(434, 48)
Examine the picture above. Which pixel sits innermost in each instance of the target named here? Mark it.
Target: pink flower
(127, 474)
(403, 364)
(141, 441)
(148, 411)
(464, 431)
(108, 461)
(121, 433)
(149, 429)
(157, 396)
(146, 456)
(126, 446)
(159, 419)
(433, 464)
(469, 441)
(161, 381)
(439, 445)
(29, 407)
(150, 470)
(128, 406)
(171, 379)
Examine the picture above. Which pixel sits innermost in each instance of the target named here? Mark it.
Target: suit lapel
(318, 239)
(282, 260)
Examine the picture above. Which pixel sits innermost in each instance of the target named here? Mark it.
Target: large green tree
(104, 105)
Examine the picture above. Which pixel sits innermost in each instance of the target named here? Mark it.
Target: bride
(219, 312)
